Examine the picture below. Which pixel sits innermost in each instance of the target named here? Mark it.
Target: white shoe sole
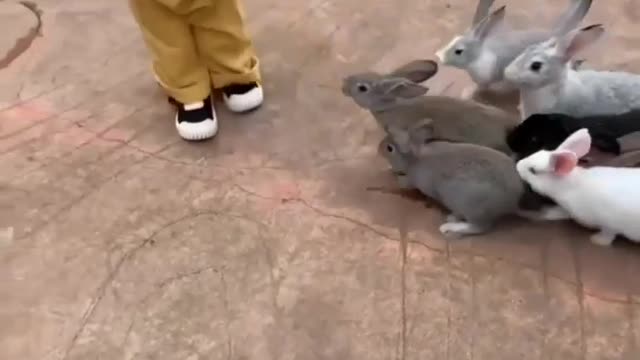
(197, 131)
(245, 102)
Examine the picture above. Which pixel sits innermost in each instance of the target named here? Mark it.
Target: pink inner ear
(564, 162)
(579, 143)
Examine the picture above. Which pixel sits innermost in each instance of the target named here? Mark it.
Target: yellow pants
(196, 44)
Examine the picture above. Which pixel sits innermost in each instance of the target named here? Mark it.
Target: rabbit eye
(458, 51)
(390, 148)
(536, 66)
(533, 171)
(363, 88)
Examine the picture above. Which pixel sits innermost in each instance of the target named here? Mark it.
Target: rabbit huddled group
(483, 163)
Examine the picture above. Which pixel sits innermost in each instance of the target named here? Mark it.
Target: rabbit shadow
(368, 185)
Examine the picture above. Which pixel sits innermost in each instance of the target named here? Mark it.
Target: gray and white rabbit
(489, 45)
(548, 85)
(397, 102)
(478, 185)
(600, 197)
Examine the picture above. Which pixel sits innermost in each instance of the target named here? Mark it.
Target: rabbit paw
(603, 238)
(460, 228)
(554, 213)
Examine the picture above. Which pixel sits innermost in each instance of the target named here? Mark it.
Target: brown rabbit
(397, 102)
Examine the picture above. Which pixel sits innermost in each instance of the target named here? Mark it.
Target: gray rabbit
(397, 102)
(488, 46)
(477, 184)
(548, 85)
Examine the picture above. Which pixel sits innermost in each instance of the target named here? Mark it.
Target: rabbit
(489, 46)
(396, 100)
(548, 131)
(600, 197)
(479, 185)
(548, 85)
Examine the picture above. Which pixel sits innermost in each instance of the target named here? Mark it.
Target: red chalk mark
(274, 195)
(23, 116)
(286, 192)
(74, 136)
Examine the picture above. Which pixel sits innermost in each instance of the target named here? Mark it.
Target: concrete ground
(120, 241)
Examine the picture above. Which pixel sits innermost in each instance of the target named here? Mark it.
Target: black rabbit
(548, 131)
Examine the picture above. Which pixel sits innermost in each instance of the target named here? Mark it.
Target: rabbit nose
(510, 72)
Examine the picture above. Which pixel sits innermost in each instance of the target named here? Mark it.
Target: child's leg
(177, 66)
(227, 50)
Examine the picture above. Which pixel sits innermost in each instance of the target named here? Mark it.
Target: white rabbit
(489, 45)
(603, 198)
(549, 85)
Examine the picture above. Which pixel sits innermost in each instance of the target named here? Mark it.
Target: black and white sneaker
(196, 121)
(243, 97)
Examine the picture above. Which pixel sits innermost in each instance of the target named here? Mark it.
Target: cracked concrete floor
(120, 241)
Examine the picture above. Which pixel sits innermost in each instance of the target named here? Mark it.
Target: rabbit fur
(477, 184)
(602, 198)
(488, 46)
(548, 131)
(397, 102)
(549, 85)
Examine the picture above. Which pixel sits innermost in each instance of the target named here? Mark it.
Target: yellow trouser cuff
(221, 80)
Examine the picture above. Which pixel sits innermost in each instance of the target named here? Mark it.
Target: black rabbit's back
(537, 132)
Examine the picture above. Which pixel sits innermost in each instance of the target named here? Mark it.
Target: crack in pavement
(24, 43)
(90, 96)
(471, 253)
(227, 320)
(580, 295)
(108, 281)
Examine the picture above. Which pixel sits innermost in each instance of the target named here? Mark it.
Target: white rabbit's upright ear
(482, 9)
(565, 158)
(417, 70)
(489, 24)
(571, 19)
(571, 44)
(578, 143)
(563, 162)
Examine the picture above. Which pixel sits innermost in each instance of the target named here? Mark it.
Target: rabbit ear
(402, 88)
(482, 9)
(417, 71)
(577, 63)
(563, 162)
(489, 24)
(572, 17)
(574, 42)
(578, 143)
